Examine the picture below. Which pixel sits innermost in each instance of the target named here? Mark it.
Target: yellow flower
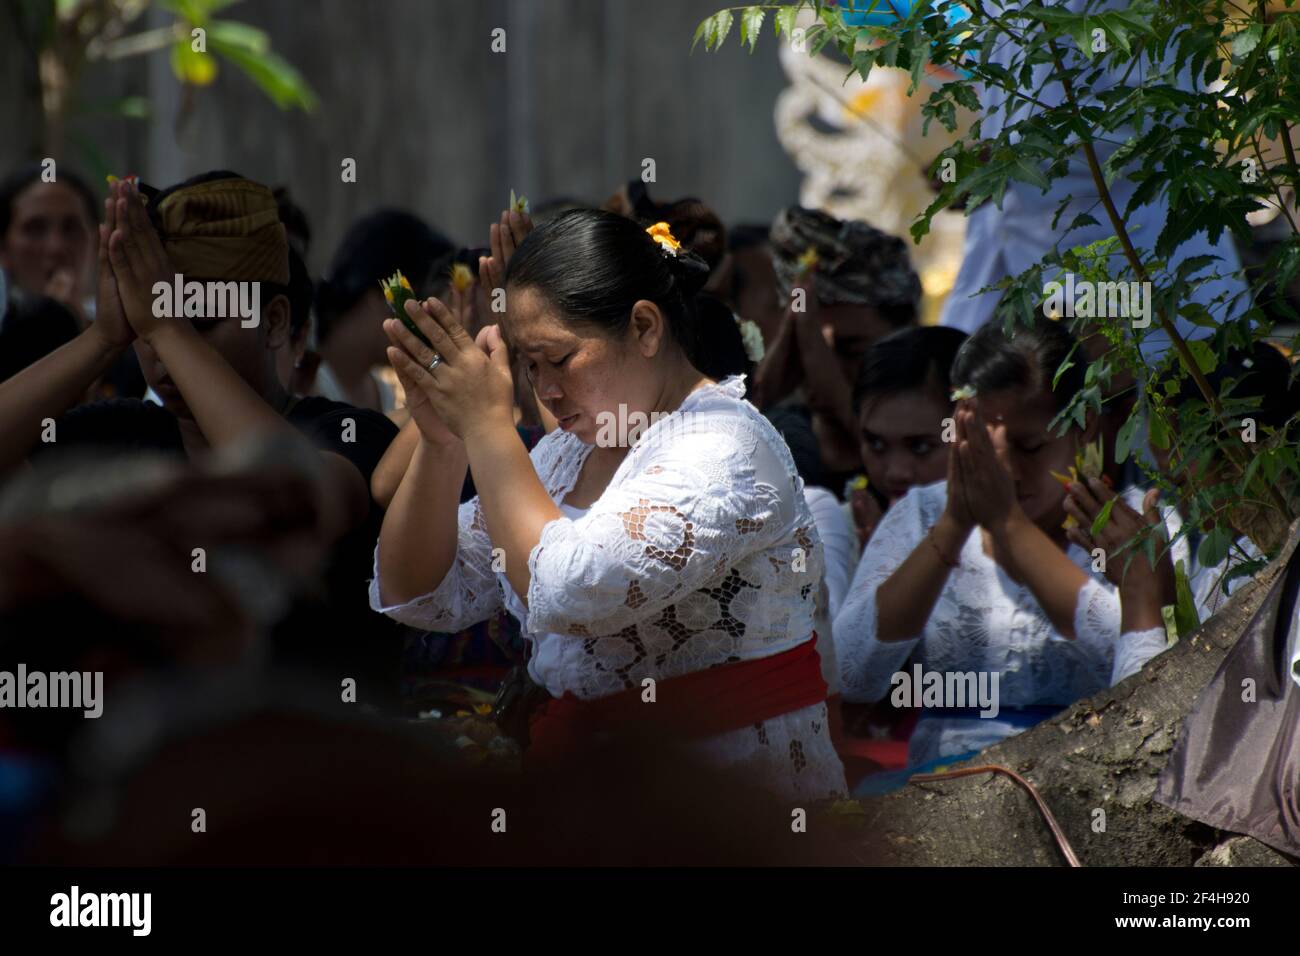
(808, 261)
(661, 234)
(518, 203)
(461, 277)
(859, 483)
(1066, 481)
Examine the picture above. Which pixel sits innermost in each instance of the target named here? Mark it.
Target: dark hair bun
(690, 272)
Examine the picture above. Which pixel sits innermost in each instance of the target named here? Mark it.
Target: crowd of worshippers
(110, 423)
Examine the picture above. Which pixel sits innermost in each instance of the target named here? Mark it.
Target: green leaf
(1206, 360)
(1124, 437)
(702, 32)
(272, 74)
(1081, 30)
(785, 18)
(722, 21)
(1244, 42)
(1214, 546)
(1026, 170)
(1186, 619)
(751, 26)
(196, 12)
(1103, 516)
(240, 35)
(965, 96)
(824, 36)
(1158, 431)
(1198, 314)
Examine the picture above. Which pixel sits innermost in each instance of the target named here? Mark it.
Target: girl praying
(975, 574)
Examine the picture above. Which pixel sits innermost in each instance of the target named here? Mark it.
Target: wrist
(442, 447)
(166, 332)
(951, 533)
(105, 348)
(489, 425)
(1008, 525)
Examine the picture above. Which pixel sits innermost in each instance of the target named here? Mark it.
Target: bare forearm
(47, 389)
(1053, 579)
(225, 407)
(515, 504)
(418, 541)
(828, 391)
(1139, 604)
(388, 473)
(907, 597)
(777, 375)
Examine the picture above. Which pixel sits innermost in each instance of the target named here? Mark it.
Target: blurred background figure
(748, 283)
(48, 244)
(860, 286)
(47, 238)
(350, 307)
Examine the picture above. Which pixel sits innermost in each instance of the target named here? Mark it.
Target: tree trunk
(1103, 753)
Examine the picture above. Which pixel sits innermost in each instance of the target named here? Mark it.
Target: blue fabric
(25, 785)
(888, 781)
(1018, 716)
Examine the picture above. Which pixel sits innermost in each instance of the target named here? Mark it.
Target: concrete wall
(439, 123)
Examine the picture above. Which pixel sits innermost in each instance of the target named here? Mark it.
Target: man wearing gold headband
(215, 373)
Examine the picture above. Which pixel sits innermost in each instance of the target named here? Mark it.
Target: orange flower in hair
(661, 234)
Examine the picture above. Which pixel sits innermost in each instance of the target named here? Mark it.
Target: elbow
(859, 687)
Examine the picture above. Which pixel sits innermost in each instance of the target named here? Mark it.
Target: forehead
(854, 321)
(532, 324)
(1024, 410)
(47, 199)
(914, 412)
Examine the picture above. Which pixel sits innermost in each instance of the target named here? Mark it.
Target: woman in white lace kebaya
(689, 560)
(975, 575)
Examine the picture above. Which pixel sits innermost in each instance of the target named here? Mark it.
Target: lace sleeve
(470, 592)
(839, 540)
(467, 594)
(867, 664)
(1096, 624)
(689, 509)
(1134, 649)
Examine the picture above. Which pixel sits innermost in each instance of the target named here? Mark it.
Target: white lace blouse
(700, 551)
(983, 621)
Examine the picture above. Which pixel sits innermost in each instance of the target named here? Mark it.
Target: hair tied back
(690, 271)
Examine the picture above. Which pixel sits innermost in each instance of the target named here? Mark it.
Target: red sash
(696, 705)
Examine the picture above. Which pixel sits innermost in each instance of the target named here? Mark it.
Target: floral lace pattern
(983, 621)
(701, 551)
